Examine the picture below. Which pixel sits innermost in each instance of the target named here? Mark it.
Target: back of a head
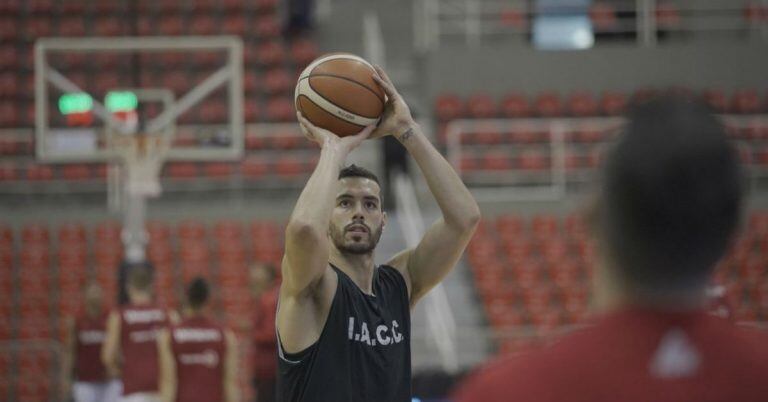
(197, 293)
(140, 278)
(670, 197)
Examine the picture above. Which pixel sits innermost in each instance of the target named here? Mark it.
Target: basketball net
(134, 176)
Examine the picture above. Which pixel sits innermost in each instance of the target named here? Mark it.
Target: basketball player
(264, 289)
(82, 353)
(198, 358)
(344, 324)
(669, 202)
(132, 338)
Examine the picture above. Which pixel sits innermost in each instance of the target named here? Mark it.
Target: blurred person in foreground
(669, 203)
(131, 343)
(264, 289)
(83, 341)
(198, 357)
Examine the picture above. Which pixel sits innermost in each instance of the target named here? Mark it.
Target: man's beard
(357, 248)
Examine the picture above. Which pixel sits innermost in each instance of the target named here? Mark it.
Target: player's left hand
(396, 118)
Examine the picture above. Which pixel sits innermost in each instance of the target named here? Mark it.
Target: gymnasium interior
(521, 96)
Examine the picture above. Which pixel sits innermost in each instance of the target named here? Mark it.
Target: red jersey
(89, 337)
(199, 349)
(139, 326)
(264, 336)
(635, 355)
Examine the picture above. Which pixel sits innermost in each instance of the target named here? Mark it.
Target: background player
(264, 288)
(131, 344)
(343, 323)
(668, 206)
(198, 358)
(82, 353)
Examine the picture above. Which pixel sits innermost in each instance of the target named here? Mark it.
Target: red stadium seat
(76, 172)
(202, 24)
(745, 102)
(448, 107)
(267, 27)
(716, 99)
(533, 160)
(303, 51)
(252, 110)
(667, 14)
(515, 105)
(218, 170)
(108, 26)
(9, 29)
(72, 26)
(278, 81)
(280, 109)
(496, 160)
(10, 7)
(289, 166)
(251, 81)
(548, 104)
(613, 103)
(191, 230)
(603, 16)
(270, 54)
(582, 104)
(182, 170)
(266, 6)
(254, 168)
(288, 140)
(755, 12)
(481, 106)
(513, 17)
(234, 24)
(40, 6)
(38, 26)
(39, 173)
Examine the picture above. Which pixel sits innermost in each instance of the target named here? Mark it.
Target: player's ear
(384, 220)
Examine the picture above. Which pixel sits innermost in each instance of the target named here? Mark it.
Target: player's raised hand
(397, 116)
(325, 138)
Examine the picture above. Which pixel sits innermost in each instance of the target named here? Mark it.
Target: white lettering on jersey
(364, 335)
(149, 335)
(91, 337)
(383, 335)
(143, 316)
(182, 335)
(206, 358)
(676, 356)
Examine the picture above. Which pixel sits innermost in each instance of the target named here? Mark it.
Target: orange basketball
(337, 92)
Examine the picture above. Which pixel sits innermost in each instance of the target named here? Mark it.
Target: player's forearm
(459, 208)
(312, 212)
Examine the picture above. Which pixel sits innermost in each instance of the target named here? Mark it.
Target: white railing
(472, 21)
(440, 320)
(552, 183)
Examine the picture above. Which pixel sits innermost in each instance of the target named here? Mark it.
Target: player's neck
(359, 267)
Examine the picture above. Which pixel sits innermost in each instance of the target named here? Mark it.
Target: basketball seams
(341, 77)
(329, 113)
(340, 113)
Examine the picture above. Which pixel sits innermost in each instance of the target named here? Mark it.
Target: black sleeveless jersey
(363, 353)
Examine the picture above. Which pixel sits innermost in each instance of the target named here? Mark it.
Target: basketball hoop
(134, 176)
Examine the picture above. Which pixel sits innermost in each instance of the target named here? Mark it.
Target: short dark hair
(197, 292)
(357, 171)
(140, 276)
(671, 195)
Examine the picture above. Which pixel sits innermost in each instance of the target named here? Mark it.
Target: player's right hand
(325, 138)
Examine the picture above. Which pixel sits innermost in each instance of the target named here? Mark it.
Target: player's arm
(167, 365)
(68, 358)
(306, 242)
(445, 241)
(231, 392)
(110, 351)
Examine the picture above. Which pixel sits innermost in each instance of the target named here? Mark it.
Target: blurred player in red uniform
(198, 358)
(82, 353)
(669, 203)
(265, 288)
(131, 343)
